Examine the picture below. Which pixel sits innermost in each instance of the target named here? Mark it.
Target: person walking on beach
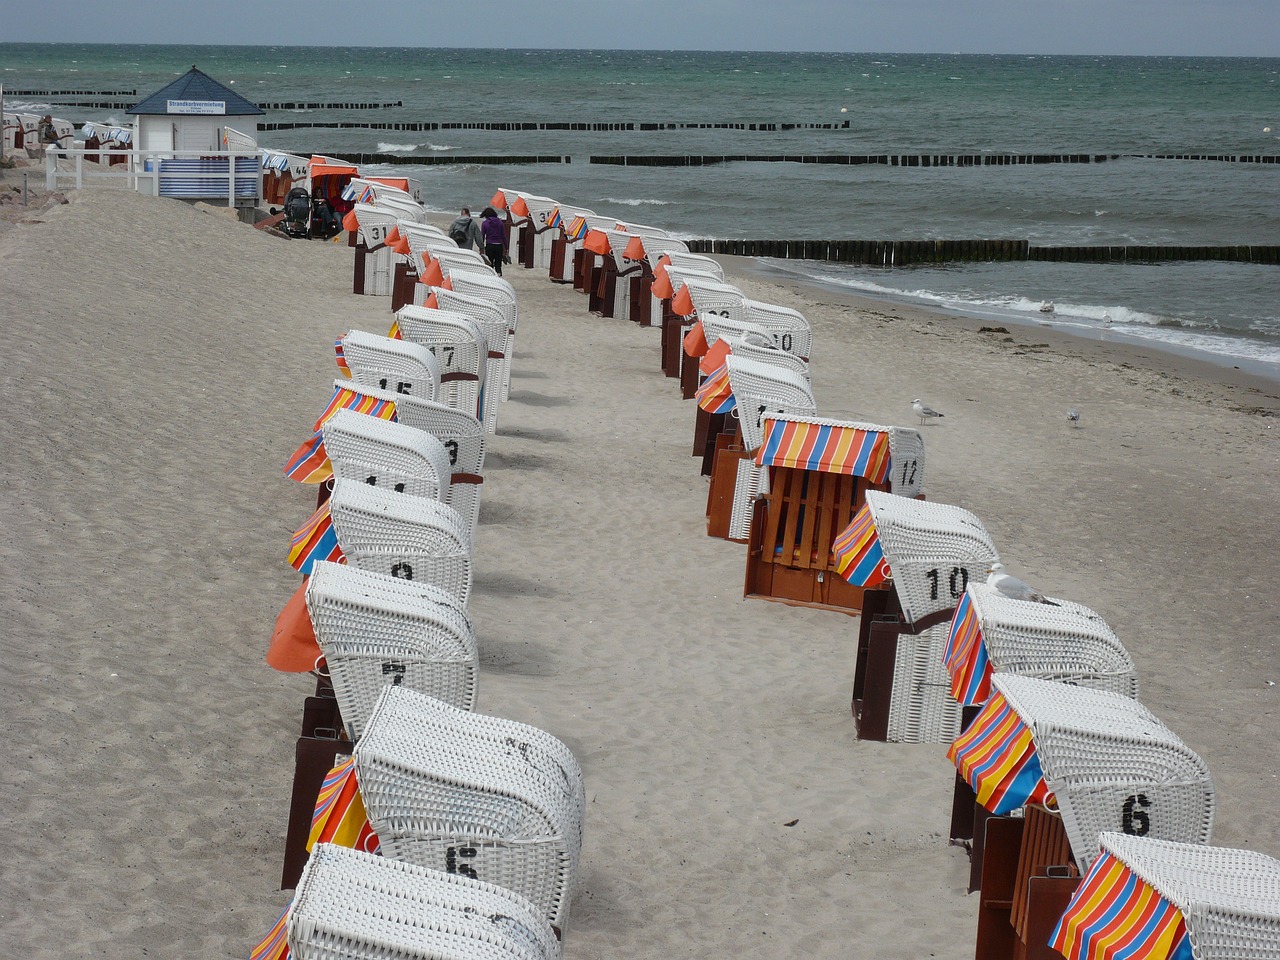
(465, 232)
(495, 239)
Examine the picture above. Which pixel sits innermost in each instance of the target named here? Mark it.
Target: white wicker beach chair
(399, 203)
(414, 538)
(461, 259)
(484, 285)
(461, 433)
(396, 456)
(789, 329)
(494, 319)
(448, 791)
(935, 550)
(540, 210)
(461, 350)
(348, 902)
(1112, 765)
(397, 366)
(375, 630)
(695, 263)
(376, 224)
(1229, 899)
(1061, 641)
(562, 270)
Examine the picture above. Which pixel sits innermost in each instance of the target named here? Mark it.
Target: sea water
(893, 104)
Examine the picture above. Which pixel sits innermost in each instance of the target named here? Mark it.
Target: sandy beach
(166, 360)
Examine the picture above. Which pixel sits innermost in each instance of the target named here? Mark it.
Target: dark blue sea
(893, 103)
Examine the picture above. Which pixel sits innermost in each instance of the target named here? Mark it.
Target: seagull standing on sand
(923, 411)
(1073, 417)
(1012, 587)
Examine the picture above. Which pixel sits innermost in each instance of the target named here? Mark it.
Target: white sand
(164, 362)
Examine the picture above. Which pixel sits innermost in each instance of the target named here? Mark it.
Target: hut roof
(195, 85)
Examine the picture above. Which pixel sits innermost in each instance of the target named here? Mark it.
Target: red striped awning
(997, 756)
(831, 449)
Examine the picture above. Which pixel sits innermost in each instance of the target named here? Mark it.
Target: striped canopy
(715, 395)
(831, 449)
(857, 552)
(340, 816)
(997, 758)
(310, 463)
(315, 540)
(1116, 915)
(966, 656)
(275, 945)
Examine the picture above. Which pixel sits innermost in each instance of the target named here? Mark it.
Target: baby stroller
(297, 214)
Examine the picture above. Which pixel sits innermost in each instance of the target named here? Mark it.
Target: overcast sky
(1185, 27)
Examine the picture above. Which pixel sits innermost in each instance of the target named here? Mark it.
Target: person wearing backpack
(465, 232)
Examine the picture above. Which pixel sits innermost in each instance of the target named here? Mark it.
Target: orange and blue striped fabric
(811, 446)
(715, 395)
(275, 945)
(966, 656)
(340, 816)
(1116, 915)
(315, 540)
(997, 758)
(310, 462)
(555, 219)
(394, 333)
(576, 230)
(341, 356)
(857, 552)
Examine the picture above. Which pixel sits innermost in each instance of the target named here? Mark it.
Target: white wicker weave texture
(461, 433)
(399, 366)
(920, 706)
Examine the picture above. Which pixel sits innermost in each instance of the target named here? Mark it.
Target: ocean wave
(412, 147)
(636, 203)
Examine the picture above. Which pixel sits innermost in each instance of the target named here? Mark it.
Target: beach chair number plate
(1134, 818)
(372, 481)
(402, 570)
(402, 386)
(395, 669)
(957, 582)
(451, 864)
(452, 447)
(909, 478)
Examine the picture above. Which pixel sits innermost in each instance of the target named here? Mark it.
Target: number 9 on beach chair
(461, 433)
(1176, 900)
(926, 554)
(413, 538)
(375, 630)
(1082, 762)
(355, 905)
(476, 796)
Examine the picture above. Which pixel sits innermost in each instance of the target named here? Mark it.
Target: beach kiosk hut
(181, 133)
(358, 905)
(1157, 898)
(490, 798)
(1078, 763)
(923, 555)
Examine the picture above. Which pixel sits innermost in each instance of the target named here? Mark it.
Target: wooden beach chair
(461, 350)
(1105, 763)
(818, 472)
(402, 458)
(361, 906)
(923, 555)
(1160, 898)
(455, 791)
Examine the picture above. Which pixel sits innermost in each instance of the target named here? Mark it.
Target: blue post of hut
(187, 148)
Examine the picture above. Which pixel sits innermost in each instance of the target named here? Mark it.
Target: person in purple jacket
(495, 239)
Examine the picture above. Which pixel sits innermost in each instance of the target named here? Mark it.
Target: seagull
(923, 411)
(1046, 306)
(1073, 417)
(1012, 587)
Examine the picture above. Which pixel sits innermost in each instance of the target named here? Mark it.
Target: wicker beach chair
(494, 319)
(375, 630)
(462, 434)
(788, 328)
(448, 790)
(566, 246)
(931, 551)
(398, 457)
(534, 231)
(695, 263)
(460, 259)
(1226, 901)
(398, 366)
(461, 350)
(414, 538)
(357, 904)
(1060, 641)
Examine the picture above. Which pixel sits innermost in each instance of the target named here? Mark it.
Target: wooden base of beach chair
(1026, 878)
(314, 756)
(556, 270)
(358, 267)
(601, 295)
(403, 283)
(690, 375)
(583, 261)
(727, 435)
(524, 245)
(724, 479)
(642, 300)
(706, 428)
(671, 352)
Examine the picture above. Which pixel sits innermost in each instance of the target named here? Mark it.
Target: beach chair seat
(398, 457)
(348, 902)
(495, 320)
(1215, 903)
(445, 795)
(376, 630)
(414, 538)
(1102, 760)
(923, 555)
(462, 434)
(1059, 640)
(397, 366)
(819, 472)
(461, 350)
